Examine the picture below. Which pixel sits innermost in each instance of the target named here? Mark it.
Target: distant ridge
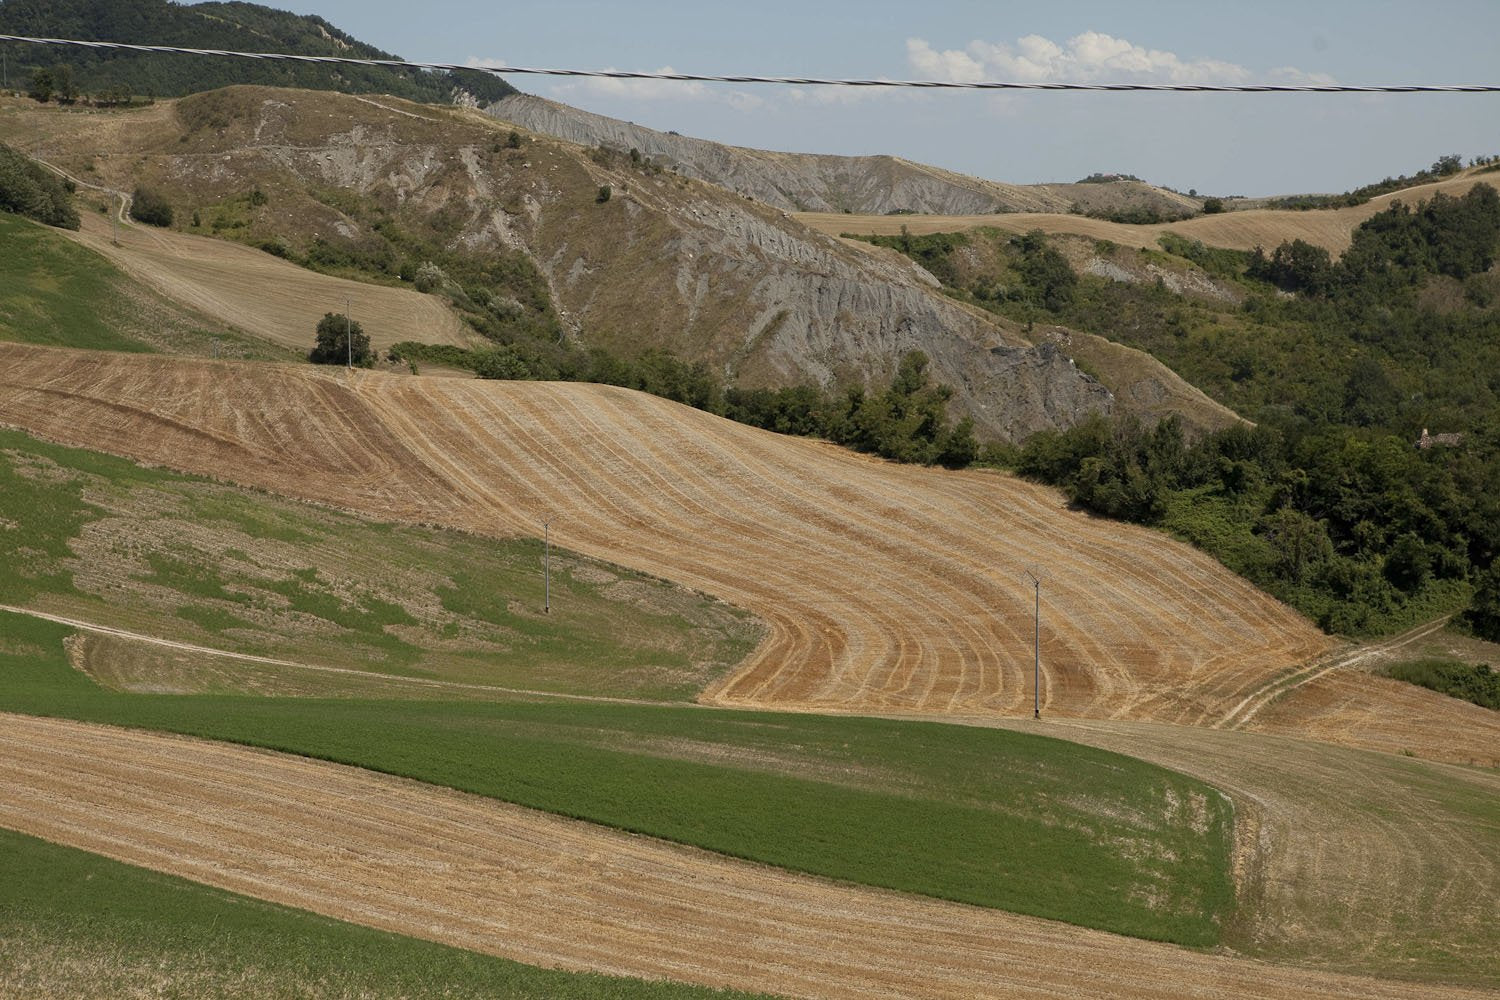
(245, 27)
(807, 182)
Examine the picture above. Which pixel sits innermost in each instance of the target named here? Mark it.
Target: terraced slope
(885, 588)
(490, 877)
(1331, 229)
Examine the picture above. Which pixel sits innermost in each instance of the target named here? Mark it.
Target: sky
(1215, 144)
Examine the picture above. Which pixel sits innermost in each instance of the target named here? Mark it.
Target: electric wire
(801, 81)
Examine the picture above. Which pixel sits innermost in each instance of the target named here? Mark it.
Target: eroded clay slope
(885, 588)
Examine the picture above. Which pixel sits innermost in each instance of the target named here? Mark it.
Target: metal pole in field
(1036, 647)
(547, 564)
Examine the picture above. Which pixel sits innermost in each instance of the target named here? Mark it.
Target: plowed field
(490, 877)
(1331, 229)
(886, 588)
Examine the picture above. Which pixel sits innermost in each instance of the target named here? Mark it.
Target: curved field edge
(484, 875)
(59, 292)
(79, 925)
(100, 539)
(884, 588)
(1006, 820)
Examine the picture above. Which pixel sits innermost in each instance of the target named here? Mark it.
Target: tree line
(244, 27)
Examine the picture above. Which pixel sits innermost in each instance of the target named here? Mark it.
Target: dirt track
(489, 877)
(1331, 229)
(264, 295)
(886, 588)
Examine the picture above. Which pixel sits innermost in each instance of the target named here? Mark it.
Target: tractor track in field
(884, 588)
(490, 877)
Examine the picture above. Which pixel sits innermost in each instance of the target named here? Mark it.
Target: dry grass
(264, 295)
(885, 587)
(1331, 229)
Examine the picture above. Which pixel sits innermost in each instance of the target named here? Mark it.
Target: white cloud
(1090, 57)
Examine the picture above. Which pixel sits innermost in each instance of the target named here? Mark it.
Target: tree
(62, 84)
(1483, 614)
(150, 207)
(1213, 206)
(603, 195)
(333, 342)
(41, 86)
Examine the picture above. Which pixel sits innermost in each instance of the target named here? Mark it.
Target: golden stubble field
(885, 588)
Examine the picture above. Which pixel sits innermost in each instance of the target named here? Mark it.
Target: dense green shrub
(150, 207)
(1471, 682)
(27, 188)
(340, 340)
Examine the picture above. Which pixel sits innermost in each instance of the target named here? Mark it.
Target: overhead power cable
(799, 81)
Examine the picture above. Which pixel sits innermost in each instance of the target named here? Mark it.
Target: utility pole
(547, 567)
(1036, 647)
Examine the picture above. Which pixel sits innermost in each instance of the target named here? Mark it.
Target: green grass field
(104, 540)
(75, 925)
(55, 292)
(994, 818)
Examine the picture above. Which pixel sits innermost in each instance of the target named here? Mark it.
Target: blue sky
(1232, 144)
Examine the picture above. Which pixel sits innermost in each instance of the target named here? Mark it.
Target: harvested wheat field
(885, 588)
(234, 283)
(1344, 858)
(1331, 229)
(437, 864)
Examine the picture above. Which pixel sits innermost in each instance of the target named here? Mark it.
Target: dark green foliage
(27, 188)
(1049, 281)
(1043, 277)
(1471, 682)
(244, 27)
(1362, 534)
(149, 924)
(1445, 166)
(148, 206)
(41, 85)
(1213, 206)
(603, 195)
(339, 339)
(1216, 261)
(1482, 617)
(1297, 266)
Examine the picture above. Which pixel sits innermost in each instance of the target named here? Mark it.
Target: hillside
(805, 182)
(1330, 229)
(529, 250)
(885, 588)
(234, 26)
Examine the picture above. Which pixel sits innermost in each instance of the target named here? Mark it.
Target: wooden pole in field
(1036, 648)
